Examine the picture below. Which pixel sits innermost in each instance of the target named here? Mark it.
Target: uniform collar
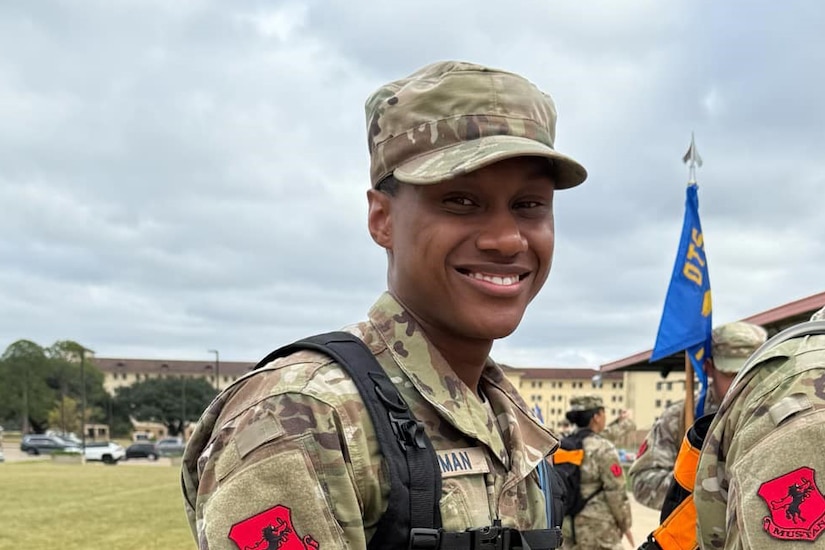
(527, 440)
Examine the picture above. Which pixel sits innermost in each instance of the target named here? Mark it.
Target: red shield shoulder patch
(796, 506)
(269, 530)
(642, 449)
(616, 470)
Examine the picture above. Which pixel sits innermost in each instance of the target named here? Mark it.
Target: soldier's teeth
(502, 281)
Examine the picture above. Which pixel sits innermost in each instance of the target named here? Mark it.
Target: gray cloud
(179, 176)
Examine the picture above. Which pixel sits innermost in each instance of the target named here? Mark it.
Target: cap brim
(729, 365)
(467, 156)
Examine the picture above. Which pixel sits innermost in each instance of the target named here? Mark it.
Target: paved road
(644, 521)
(14, 454)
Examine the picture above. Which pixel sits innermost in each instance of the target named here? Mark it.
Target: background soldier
(759, 484)
(622, 425)
(606, 516)
(652, 472)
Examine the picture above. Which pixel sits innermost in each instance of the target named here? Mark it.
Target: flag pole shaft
(689, 404)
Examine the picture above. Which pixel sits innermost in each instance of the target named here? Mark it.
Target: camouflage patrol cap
(586, 403)
(451, 118)
(733, 343)
(819, 315)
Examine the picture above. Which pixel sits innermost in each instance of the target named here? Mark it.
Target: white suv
(107, 452)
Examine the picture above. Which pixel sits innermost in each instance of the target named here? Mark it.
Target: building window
(658, 403)
(658, 386)
(669, 386)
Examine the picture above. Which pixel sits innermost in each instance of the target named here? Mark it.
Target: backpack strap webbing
(414, 473)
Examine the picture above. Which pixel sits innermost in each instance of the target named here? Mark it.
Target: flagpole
(691, 157)
(686, 317)
(689, 403)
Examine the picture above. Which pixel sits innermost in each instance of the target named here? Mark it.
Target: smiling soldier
(463, 171)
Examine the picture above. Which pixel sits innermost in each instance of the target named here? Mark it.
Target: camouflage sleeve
(618, 429)
(614, 484)
(290, 470)
(776, 494)
(652, 471)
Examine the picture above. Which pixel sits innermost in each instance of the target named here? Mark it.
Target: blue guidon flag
(686, 320)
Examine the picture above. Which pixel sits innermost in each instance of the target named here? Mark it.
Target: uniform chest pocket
(464, 499)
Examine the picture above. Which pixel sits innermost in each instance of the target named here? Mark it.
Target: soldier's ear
(707, 366)
(379, 218)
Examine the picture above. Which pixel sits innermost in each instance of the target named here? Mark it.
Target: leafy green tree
(170, 401)
(24, 394)
(66, 378)
(33, 379)
(65, 416)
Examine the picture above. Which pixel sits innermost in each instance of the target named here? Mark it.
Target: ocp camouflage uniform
(652, 472)
(761, 473)
(296, 435)
(606, 516)
(617, 429)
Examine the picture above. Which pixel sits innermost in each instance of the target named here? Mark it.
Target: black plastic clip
(424, 539)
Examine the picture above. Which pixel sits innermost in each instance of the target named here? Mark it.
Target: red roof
(171, 366)
(566, 374)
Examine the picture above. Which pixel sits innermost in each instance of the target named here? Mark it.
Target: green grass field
(91, 507)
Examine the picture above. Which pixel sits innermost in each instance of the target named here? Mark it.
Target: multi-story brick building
(118, 372)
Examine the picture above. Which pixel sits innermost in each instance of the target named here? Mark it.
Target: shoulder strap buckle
(424, 539)
(408, 431)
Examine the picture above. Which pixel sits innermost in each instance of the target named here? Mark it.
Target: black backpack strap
(415, 476)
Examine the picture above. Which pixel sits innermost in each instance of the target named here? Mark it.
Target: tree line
(42, 388)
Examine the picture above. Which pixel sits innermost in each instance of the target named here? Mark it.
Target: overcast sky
(179, 176)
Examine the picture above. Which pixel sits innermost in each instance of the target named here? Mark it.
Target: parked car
(170, 446)
(144, 449)
(70, 438)
(107, 452)
(35, 444)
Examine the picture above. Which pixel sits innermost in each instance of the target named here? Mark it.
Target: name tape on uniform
(459, 462)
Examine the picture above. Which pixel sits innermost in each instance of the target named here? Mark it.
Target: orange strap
(563, 456)
(678, 532)
(684, 471)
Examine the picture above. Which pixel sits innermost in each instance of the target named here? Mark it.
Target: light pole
(217, 368)
(83, 403)
(183, 406)
(83, 351)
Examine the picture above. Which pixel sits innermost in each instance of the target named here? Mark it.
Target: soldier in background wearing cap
(652, 472)
(760, 480)
(463, 171)
(606, 516)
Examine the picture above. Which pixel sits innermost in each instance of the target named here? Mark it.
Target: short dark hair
(582, 418)
(389, 185)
